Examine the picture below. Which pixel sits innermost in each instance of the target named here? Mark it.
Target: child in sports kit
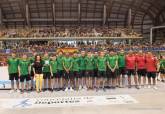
(76, 71)
(54, 77)
(24, 72)
(89, 62)
(112, 62)
(101, 65)
(151, 67)
(121, 71)
(162, 68)
(67, 65)
(13, 71)
(60, 70)
(46, 72)
(141, 68)
(130, 66)
(82, 70)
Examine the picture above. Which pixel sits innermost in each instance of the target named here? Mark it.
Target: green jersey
(112, 60)
(24, 67)
(75, 66)
(60, 63)
(67, 62)
(82, 63)
(101, 62)
(89, 63)
(121, 60)
(162, 64)
(95, 62)
(53, 65)
(46, 67)
(13, 65)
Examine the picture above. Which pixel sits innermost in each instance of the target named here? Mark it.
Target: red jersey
(130, 61)
(141, 61)
(151, 64)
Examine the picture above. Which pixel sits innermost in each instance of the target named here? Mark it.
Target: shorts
(46, 75)
(89, 73)
(60, 73)
(54, 75)
(151, 74)
(82, 73)
(121, 71)
(111, 74)
(101, 74)
(68, 76)
(130, 72)
(24, 77)
(13, 76)
(141, 72)
(95, 73)
(75, 74)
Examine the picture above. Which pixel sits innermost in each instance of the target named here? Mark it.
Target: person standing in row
(38, 72)
(101, 65)
(141, 68)
(162, 68)
(69, 78)
(121, 65)
(130, 67)
(112, 62)
(46, 72)
(24, 72)
(13, 62)
(89, 63)
(151, 67)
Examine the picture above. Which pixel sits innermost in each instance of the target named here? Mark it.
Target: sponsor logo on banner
(67, 101)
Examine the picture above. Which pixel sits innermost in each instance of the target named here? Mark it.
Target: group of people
(90, 70)
(78, 31)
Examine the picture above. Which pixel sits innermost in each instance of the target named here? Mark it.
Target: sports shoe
(104, 89)
(66, 89)
(149, 86)
(80, 87)
(12, 91)
(155, 87)
(18, 91)
(71, 89)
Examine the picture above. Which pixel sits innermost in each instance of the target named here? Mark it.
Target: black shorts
(141, 72)
(82, 73)
(112, 74)
(151, 74)
(101, 74)
(46, 75)
(60, 73)
(95, 73)
(68, 75)
(89, 73)
(24, 77)
(75, 74)
(54, 75)
(131, 72)
(162, 71)
(121, 71)
(13, 76)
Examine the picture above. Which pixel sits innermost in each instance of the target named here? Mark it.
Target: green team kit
(75, 64)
